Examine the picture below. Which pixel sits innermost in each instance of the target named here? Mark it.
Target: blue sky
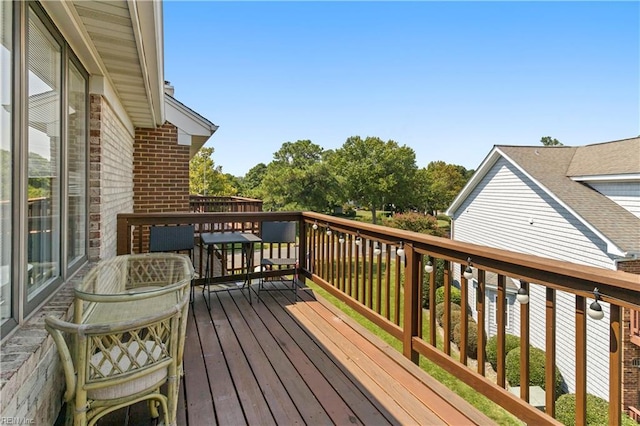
(449, 79)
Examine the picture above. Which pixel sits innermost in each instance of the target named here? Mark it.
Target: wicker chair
(127, 336)
(120, 363)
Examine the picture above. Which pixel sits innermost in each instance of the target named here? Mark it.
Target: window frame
(21, 307)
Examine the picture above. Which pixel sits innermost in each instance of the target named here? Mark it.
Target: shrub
(416, 222)
(472, 337)
(455, 322)
(536, 369)
(440, 312)
(511, 342)
(597, 411)
(455, 295)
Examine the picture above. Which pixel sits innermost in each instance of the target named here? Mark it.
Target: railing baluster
(396, 307)
(369, 286)
(480, 306)
(433, 325)
(446, 320)
(411, 305)
(387, 283)
(615, 365)
(501, 314)
(464, 312)
(524, 348)
(581, 362)
(550, 357)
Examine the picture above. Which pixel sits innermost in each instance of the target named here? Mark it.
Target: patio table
(245, 239)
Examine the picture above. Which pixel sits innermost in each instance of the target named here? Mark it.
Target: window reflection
(76, 160)
(44, 83)
(6, 61)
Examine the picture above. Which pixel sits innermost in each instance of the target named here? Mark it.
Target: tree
(443, 183)
(373, 172)
(299, 178)
(548, 141)
(207, 179)
(252, 180)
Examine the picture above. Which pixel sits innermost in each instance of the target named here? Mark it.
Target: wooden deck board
(279, 362)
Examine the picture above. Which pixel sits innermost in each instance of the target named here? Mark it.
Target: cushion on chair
(118, 362)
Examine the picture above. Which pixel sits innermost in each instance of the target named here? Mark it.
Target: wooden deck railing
(359, 264)
(202, 204)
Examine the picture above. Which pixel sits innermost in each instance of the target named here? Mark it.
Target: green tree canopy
(252, 180)
(549, 141)
(299, 178)
(443, 183)
(374, 172)
(207, 179)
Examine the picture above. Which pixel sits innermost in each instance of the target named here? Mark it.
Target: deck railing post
(123, 236)
(411, 303)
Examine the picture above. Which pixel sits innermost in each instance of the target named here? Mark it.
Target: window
(43, 150)
(507, 311)
(6, 154)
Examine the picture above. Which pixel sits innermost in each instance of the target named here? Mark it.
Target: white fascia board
(183, 118)
(612, 248)
(146, 23)
(608, 178)
(477, 177)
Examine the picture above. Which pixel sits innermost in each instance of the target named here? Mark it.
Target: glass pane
(76, 139)
(6, 171)
(44, 157)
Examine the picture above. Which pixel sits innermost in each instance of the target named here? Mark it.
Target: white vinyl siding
(498, 213)
(625, 194)
(499, 210)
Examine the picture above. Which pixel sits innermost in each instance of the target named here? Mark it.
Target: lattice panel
(115, 354)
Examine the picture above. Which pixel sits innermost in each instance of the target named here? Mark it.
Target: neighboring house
(578, 204)
(88, 130)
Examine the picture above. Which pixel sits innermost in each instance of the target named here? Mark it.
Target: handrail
(388, 291)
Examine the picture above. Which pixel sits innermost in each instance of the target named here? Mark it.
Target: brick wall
(630, 374)
(161, 171)
(32, 377)
(110, 179)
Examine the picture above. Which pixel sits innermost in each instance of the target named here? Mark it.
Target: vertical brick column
(160, 171)
(631, 351)
(95, 174)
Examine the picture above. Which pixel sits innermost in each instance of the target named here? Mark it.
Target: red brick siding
(160, 171)
(95, 171)
(631, 351)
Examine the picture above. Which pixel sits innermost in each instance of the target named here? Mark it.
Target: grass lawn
(488, 407)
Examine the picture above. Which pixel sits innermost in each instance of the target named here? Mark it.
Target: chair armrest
(54, 326)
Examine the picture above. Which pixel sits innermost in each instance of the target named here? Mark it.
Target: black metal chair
(276, 234)
(179, 238)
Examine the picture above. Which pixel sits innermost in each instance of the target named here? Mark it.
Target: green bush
(455, 295)
(416, 222)
(597, 411)
(455, 322)
(440, 312)
(511, 342)
(536, 369)
(472, 337)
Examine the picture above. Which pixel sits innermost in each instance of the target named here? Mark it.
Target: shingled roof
(559, 170)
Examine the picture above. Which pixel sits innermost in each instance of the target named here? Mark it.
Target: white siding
(625, 194)
(508, 211)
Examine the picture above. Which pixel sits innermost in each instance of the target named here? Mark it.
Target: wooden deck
(279, 362)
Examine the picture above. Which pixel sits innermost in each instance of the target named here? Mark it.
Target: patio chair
(175, 239)
(120, 363)
(277, 233)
